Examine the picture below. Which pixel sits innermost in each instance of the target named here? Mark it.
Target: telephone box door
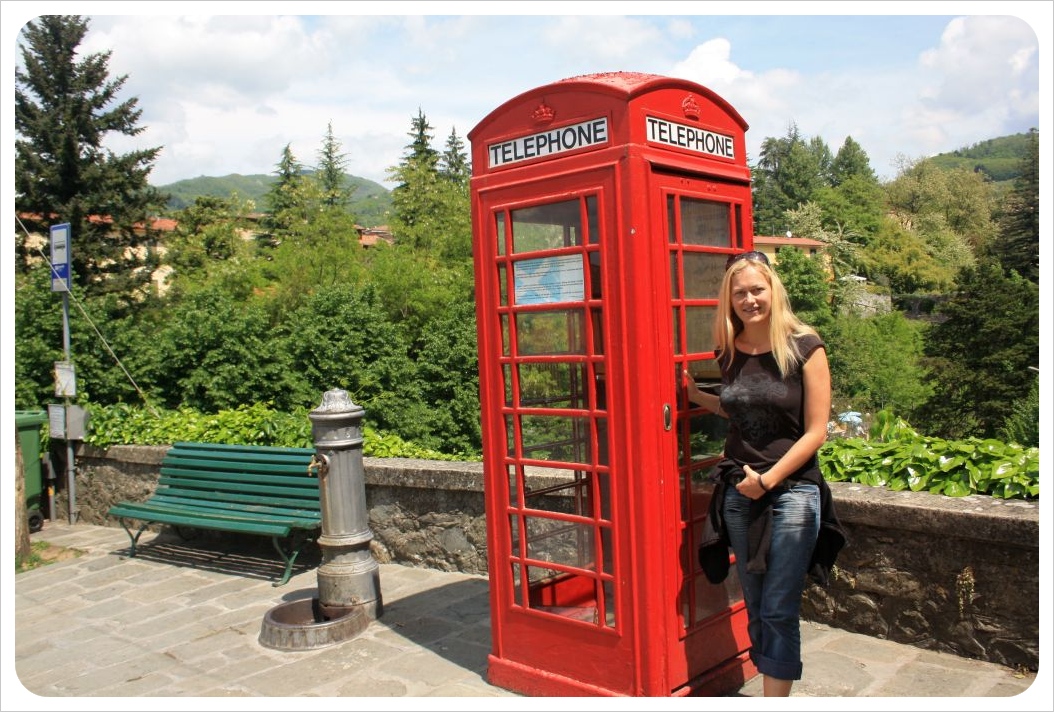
(556, 564)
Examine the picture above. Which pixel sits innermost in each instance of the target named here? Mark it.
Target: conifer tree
(65, 106)
(454, 164)
(331, 172)
(284, 194)
(1017, 247)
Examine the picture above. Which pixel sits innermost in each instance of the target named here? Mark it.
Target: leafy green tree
(806, 282)
(1018, 244)
(37, 337)
(770, 200)
(877, 363)
(215, 352)
(851, 161)
(332, 172)
(968, 209)
(107, 340)
(416, 287)
(1022, 426)
(808, 221)
(447, 374)
(900, 258)
(789, 172)
(979, 355)
(853, 209)
(64, 109)
(340, 337)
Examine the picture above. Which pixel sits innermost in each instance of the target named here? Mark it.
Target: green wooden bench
(270, 491)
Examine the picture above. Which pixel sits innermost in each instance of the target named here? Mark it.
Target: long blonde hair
(784, 324)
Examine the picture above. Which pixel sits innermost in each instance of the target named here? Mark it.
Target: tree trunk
(23, 547)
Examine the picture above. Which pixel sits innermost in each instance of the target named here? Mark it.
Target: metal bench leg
(296, 544)
(134, 538)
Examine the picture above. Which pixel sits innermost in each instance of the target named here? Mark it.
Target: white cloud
(979, 81)
(225, 94)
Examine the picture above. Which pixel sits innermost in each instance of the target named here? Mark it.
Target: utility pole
(65, 375)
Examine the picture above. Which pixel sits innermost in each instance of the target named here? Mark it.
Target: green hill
(370, 202)
(998, 158)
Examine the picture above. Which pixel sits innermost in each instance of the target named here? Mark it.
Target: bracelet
(761, 481)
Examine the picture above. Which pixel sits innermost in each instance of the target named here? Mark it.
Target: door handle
(667, 416)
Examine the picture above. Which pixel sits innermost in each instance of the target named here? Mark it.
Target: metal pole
(71, 481)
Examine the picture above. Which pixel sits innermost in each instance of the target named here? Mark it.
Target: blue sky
(226, 92)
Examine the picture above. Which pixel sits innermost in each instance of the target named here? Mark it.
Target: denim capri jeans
(773, 598)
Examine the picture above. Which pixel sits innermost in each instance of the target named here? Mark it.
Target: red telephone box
(604, 207)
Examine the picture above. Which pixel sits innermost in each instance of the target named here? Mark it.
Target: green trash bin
(28, 423)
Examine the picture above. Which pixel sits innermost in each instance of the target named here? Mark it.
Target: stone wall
(958, 575)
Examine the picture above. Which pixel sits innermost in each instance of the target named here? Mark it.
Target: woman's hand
(691, 386)
(751, 485)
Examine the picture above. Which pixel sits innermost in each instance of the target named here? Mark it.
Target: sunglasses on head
(753, 256)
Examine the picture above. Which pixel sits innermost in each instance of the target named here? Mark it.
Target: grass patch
(43, 553)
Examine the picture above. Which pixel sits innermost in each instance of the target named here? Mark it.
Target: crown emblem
(690, 107)
(543, 114)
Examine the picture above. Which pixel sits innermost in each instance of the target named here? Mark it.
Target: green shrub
(258, 424)
(899, 458)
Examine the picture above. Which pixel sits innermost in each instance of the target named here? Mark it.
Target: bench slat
(288, 519)
(201, 520)
(233, 476)
(278, 511)
(241, 497)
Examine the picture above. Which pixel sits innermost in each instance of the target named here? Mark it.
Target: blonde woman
(776, 394)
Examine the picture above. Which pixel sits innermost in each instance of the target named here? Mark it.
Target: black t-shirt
(766, 412)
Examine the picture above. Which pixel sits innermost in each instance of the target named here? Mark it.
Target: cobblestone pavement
(181, 621)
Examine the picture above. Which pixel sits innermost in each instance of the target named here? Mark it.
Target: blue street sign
(60, 257)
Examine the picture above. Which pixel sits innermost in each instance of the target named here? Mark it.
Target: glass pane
(517, 590)
(500, 231)
(514, 491)
(602, 446)
(706, 370)
(547, 227)
(548, 280)
(564, 594)
(699, 322)
(711, 598)
(507, 371)
(591, 217)
(704, 222)
(553, 385)
(678, 347)
(671, 219)
(503, 286)
(549, 437)
(514, 536)
(555, 332)
(506, 340)
(510, 435)
(559, 542)
(595, 279)
(703, 273)
(553, 489)
(609, 603)
(675, 278)
(706, 436)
